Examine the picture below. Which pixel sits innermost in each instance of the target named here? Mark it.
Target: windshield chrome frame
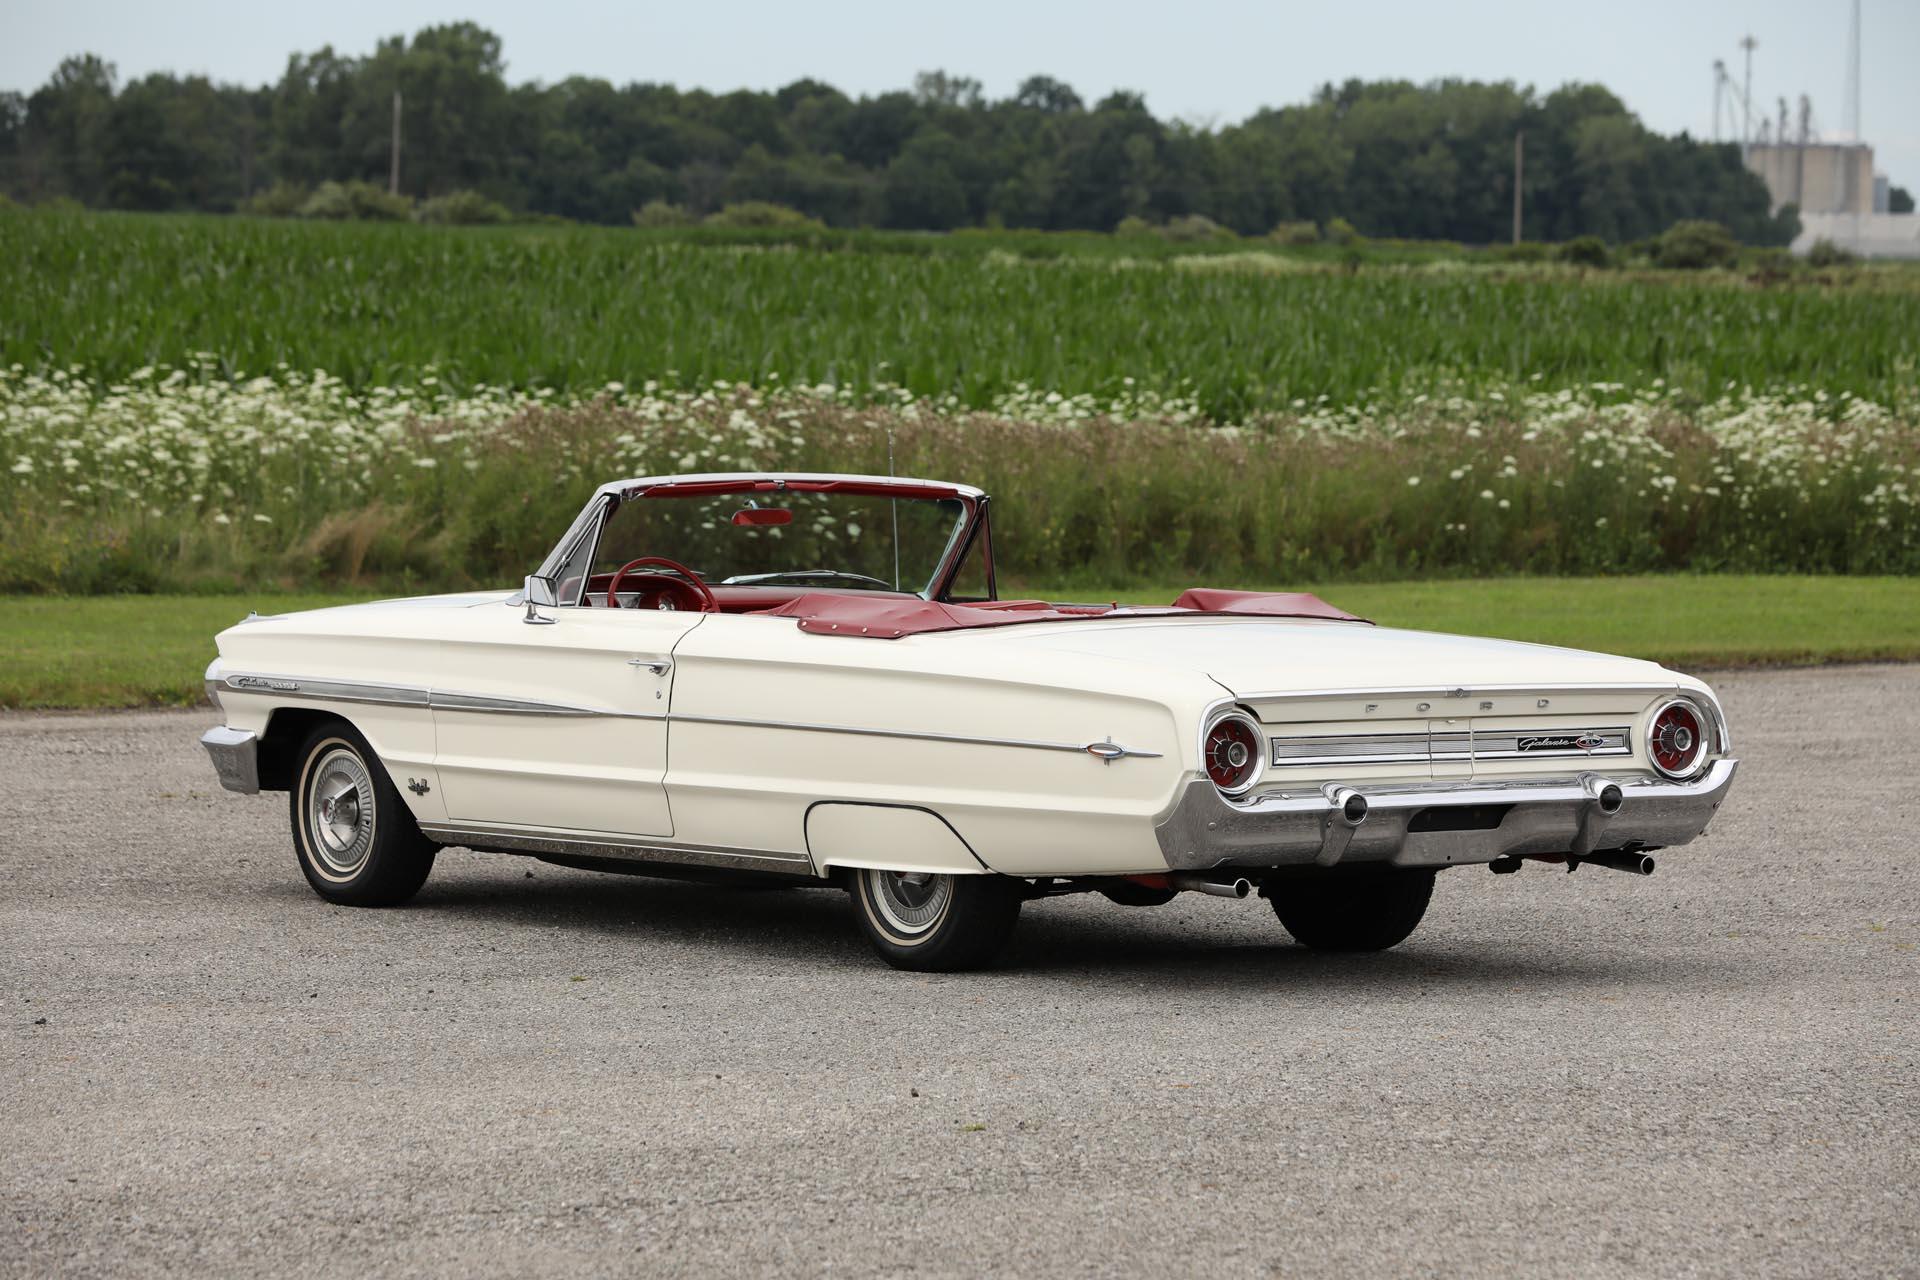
(591, 521)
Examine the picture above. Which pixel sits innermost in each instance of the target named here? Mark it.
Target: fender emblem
(261, 682)
(418, 786)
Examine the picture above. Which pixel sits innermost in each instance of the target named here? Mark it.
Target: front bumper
(236, 758)
(1438, 824)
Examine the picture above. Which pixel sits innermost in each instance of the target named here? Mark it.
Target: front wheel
(936, 923)
(1368, 911)
(355, 838)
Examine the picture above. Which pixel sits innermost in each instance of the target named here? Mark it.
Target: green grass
(119, 651)
(128, 651)
(572, 308)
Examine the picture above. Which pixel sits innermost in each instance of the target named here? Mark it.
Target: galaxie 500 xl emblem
(1561, 742)
(261, 682)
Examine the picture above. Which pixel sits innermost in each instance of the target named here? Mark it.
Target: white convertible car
(809, 679)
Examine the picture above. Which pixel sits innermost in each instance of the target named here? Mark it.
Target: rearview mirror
(540, 594)
(757, 516)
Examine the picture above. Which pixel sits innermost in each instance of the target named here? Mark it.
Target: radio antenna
(894, 503)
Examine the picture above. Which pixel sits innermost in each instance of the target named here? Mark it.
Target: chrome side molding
(308, 689)
(595, 844)
(1107, 751)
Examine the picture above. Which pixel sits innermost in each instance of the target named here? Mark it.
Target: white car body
(1056, 748)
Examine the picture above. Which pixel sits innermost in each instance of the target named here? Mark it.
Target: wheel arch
(287, 728)
(867, 835)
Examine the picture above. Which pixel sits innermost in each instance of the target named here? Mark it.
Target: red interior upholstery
(751, 599)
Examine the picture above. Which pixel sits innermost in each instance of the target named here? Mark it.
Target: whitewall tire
(355, 838)
(936, 923)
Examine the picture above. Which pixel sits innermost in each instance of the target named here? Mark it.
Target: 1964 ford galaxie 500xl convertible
(810, 679)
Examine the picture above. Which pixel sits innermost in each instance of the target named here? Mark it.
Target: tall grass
(571, 309)
(178, 482)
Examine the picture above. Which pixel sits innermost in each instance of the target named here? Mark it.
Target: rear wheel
(1368, 911)
(354, 836)
(936, 923)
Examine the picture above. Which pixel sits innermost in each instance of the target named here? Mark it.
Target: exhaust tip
(1353, 811)
(1239, 887)
(1610, 798)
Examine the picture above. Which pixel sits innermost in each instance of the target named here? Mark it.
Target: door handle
(659, 666)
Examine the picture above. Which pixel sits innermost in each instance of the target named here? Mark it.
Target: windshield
(787, 539)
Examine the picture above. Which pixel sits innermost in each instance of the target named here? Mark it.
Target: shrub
(1340, 231)
(8, 204)
(1586, 251)
(355, 201)
(1295, 233)
(1695, 245)
(764, 214)
(661, 213)
(1193, 227)
(61, 205)
(1525, 251)
(281, 200)
(462, 209)
(1133, 225)
(1825, 253)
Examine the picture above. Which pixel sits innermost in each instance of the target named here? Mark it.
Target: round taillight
(1676, 741)
(1232, 753)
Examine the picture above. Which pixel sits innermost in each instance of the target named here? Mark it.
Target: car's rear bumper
(236, 758)
(1437, 824)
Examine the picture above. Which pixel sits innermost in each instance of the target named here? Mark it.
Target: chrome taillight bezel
(1707, 728)
(1260, 750)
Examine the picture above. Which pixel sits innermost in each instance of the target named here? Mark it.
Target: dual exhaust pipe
(1237, 887)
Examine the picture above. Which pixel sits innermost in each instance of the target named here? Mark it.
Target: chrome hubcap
(911, 902)
(340, 813)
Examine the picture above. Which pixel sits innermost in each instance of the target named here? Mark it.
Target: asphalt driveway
(1712, 1071)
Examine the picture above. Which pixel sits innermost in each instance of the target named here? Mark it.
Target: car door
(560, 725)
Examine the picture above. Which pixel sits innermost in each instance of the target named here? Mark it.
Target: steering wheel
(695, 589)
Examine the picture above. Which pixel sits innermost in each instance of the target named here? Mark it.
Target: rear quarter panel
(751, 746)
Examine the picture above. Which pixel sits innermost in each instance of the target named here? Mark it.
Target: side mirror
(540, 594)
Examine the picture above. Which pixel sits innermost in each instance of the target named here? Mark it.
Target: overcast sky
(1207, 60)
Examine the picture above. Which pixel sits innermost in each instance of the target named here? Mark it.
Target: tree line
(1392, 158)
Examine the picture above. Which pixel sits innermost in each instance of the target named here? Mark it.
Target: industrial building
(1839, 196)
(1817, 177)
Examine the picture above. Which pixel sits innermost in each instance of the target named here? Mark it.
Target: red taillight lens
(1676, 741)
(1232, 753)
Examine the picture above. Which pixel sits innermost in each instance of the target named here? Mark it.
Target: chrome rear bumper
(1437, 824)
(236, 758)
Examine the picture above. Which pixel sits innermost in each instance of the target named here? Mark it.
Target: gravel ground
(535, 1070)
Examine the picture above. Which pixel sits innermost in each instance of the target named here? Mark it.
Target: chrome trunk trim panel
(593, 844)
(1541, 815)
(1470, 744)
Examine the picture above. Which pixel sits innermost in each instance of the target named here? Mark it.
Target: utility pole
(1719, 83)
(1519, 170)
(1852, 107)
(1746, 95)
(1800, 153)
(393, 175)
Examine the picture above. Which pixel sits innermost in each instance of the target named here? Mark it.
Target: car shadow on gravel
(1080, 940)
(810, 923)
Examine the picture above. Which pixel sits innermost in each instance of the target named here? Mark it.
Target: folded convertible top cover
(891, 617)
